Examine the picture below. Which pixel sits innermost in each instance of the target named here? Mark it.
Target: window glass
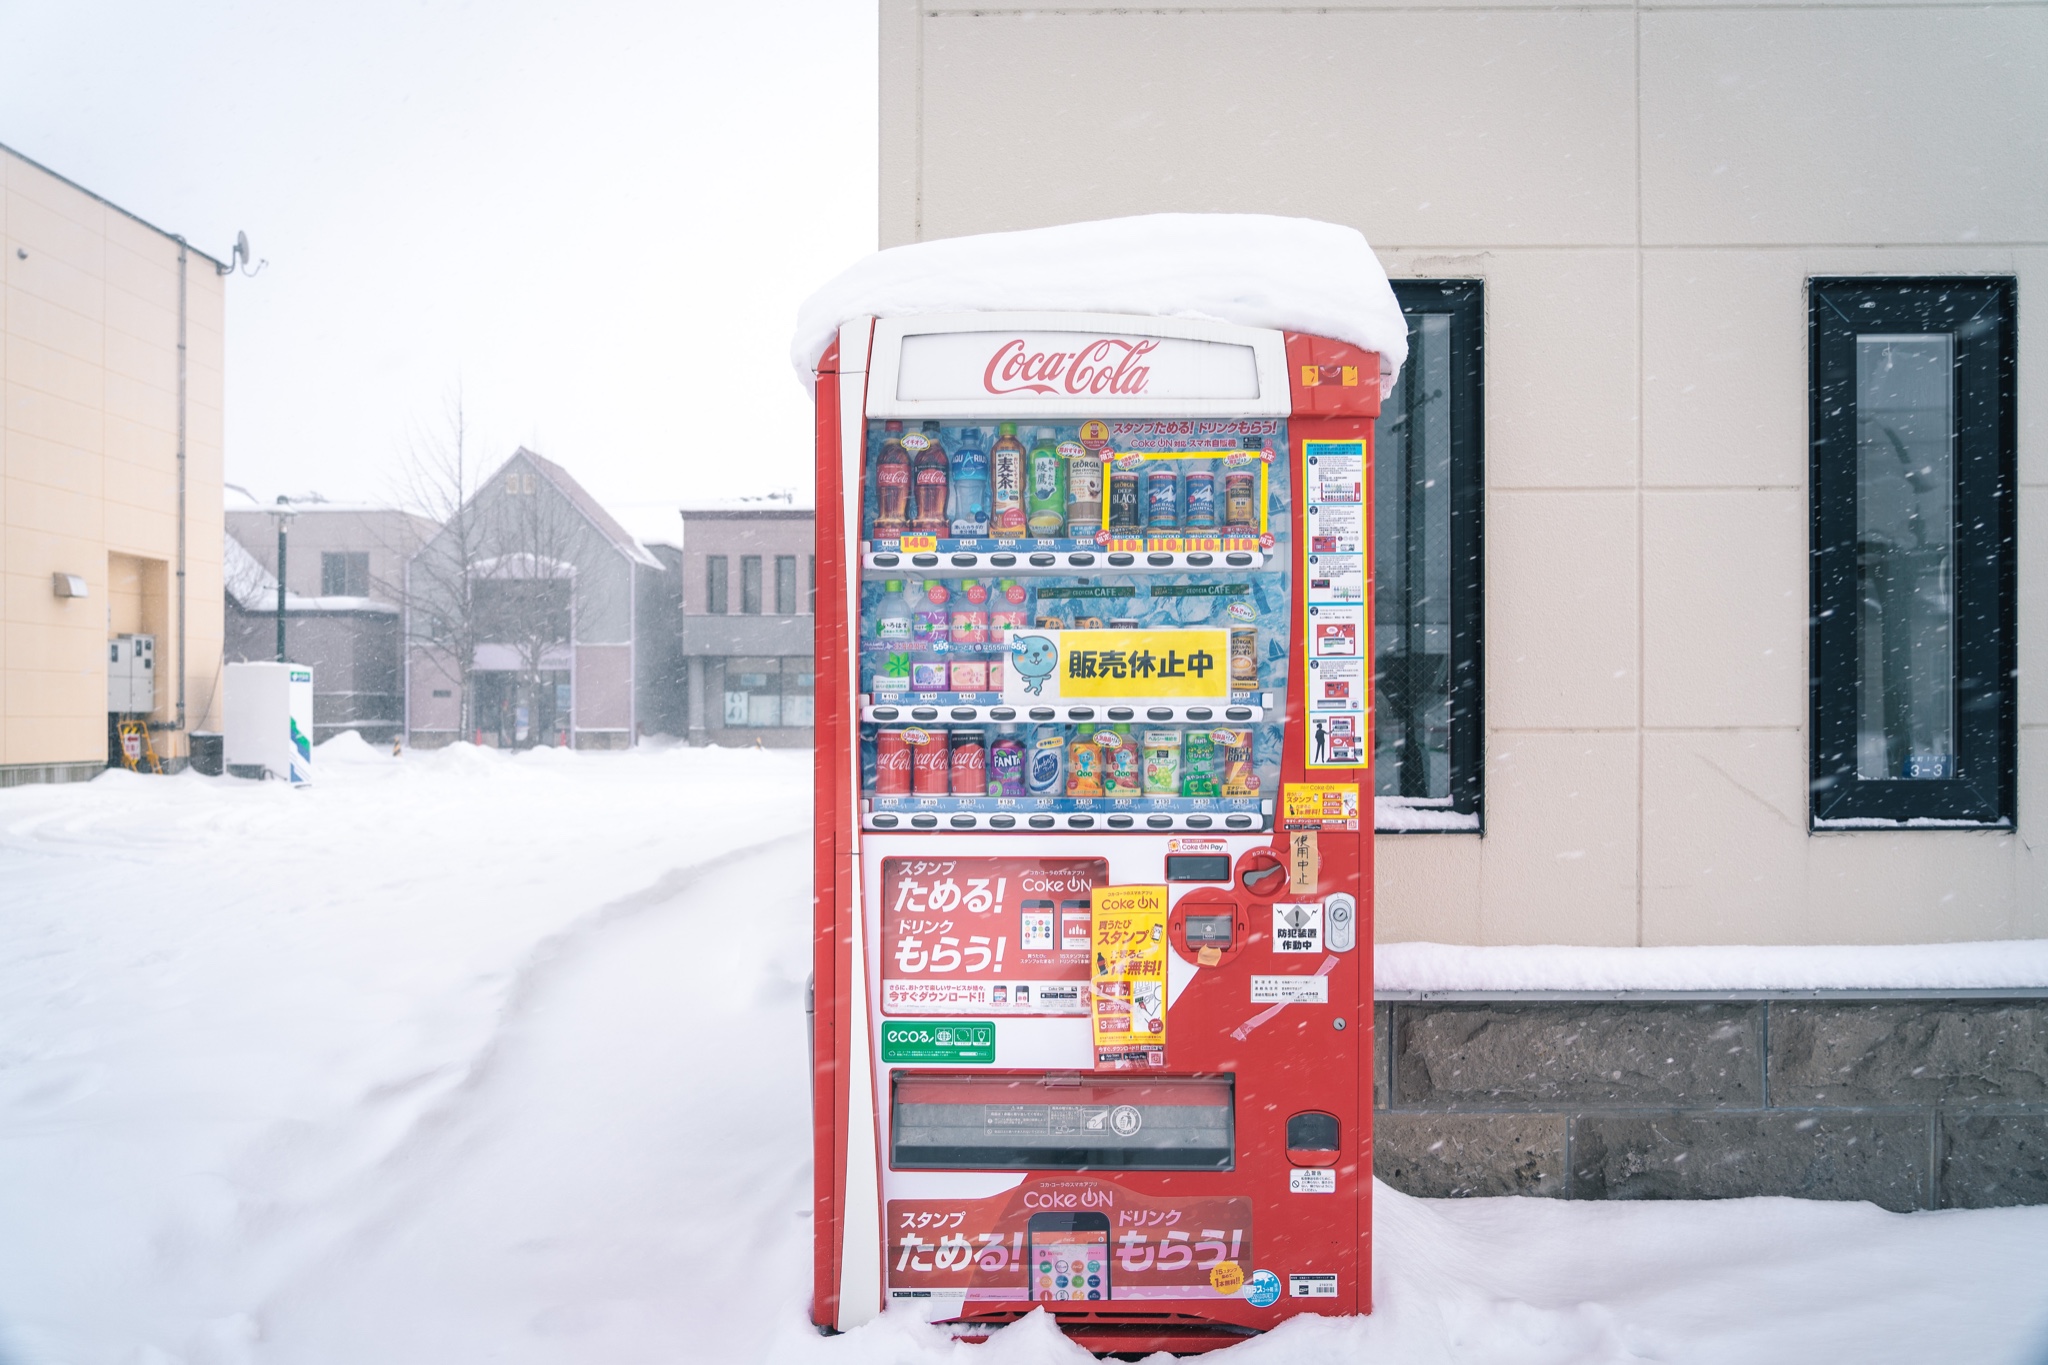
(1426, 563)
(1412, 592)
(785, 585)
(1905, 532)
(768, 692)
(811, 592)
(750, 584)
(344, 574)
(715, 569)
(1912, 627)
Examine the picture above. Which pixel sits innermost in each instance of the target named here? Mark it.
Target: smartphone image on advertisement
(1069, 1256)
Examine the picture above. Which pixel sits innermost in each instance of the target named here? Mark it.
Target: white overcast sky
(597, 218)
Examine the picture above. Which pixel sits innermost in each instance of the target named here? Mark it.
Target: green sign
(954, 1042)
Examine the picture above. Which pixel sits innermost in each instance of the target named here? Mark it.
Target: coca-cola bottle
(892, 484)
(928, 475)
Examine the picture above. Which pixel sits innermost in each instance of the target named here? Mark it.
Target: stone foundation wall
(1909, 1102)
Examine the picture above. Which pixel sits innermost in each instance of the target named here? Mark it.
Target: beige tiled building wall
(88, 469)
(1645, 191)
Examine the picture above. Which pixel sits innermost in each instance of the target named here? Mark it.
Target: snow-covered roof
(1255, 270)
(592, 510)
(254, 587)
(786, 501)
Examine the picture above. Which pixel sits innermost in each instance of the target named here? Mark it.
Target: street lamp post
(284, 516)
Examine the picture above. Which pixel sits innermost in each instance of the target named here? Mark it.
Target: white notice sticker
(1290, 990)
(1311, 1180)
(1312, 1286)
(1298, 927)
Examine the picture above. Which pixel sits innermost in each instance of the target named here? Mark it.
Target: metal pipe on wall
(179, 724)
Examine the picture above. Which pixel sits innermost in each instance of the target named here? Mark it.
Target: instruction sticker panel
(1337, 680)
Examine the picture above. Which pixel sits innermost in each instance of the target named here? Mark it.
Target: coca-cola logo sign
(1102, 367)
(1090, 370)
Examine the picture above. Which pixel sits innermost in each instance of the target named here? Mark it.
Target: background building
(522, 617)
(1711, 524)
(749, 594)
(343, 601)
(1632, 202)
(110, 472)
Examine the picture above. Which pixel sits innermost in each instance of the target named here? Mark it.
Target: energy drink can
(1244, 658)
(1162, 763)
(1125, 510)
(1241, 502)
(1235, 751)
(892, 764)
(1198, 764)
(1162, 499)
(931, 761)
(1200, 500)
(970, 763)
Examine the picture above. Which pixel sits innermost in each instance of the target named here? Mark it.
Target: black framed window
(1428, 492)
(344, 573)
(750, 584)
(785, 585)
(716, 569)
(1914, 443)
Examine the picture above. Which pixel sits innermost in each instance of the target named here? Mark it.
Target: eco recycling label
(1128, 980)
(948, 1042)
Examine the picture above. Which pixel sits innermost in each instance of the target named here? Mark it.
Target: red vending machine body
(1093, 950)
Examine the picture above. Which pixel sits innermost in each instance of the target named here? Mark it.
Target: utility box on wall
(131, 674)
(269, 709)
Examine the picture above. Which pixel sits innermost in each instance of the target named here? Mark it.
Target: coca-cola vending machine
(1093, 988)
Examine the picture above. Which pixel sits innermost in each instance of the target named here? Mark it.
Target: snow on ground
(467, 1056)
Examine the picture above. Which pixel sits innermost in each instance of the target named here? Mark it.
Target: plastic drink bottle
(1162, 763)
(1198, 764)
(970, 487)
(1046, 774)
(929, 473)
(930, 628)
(1120, 764)
(1084, 490)
(1084, 763)
(1046, 489)
(1009, 609)
(1006, 518)
(892, 634)
(892, 484)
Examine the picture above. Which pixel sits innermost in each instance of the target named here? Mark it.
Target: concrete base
(1928, 1102)
(36, 774)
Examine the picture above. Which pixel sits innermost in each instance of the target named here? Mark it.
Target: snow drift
(1252, 269)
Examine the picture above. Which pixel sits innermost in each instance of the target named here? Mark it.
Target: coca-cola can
(892, 764)
(931, 761)
(970, 763)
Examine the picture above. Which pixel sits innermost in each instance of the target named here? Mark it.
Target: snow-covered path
(472, 1057)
